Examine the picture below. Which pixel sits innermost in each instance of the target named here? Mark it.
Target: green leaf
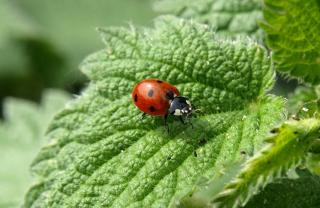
(304, 102)
(228, 17)
(101, 154)
(293, 29)
(285, 192)
(287, 149)
(289, 193)
(21, 136)
(201, 194)
(313, 162)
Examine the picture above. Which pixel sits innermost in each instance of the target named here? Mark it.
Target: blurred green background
(42, 42)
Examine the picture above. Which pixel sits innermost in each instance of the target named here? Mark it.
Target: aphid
(159, 98)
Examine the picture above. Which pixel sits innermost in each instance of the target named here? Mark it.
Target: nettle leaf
(313, 160)
(302, 191)
(20, 139)
(287, 149)
(101, 154)
(293, 29)
(304, 102)
(228, 17)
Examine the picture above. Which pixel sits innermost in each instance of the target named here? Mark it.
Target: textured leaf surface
(228, 17)
(293, 29)
(101, 154)
(286, 150)
(20, 139)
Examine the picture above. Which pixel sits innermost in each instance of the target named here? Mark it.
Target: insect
(159, 98)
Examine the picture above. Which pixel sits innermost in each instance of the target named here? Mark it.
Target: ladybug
(159, 98)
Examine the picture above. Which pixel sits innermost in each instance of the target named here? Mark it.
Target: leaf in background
(101, 154)
(289, 193)
(287, 149)
(304, 102)
(313, 160)
(283, 192)
(229, 17)
(20, 138)
(293, 29)
(201, 194)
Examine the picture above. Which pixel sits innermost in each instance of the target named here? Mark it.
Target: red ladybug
(159, 98)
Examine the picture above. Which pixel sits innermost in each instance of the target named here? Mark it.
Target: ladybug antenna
(197, 110)
(193, 111)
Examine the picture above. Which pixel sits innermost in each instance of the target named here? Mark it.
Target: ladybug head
(180, 106)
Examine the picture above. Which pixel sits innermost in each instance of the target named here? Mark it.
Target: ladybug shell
(150, 96)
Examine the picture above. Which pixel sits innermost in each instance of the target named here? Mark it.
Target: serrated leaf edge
(240, 190)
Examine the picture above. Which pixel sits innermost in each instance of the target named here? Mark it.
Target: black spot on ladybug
(150, 93)
(135, 98)
(152, 108)
(159, 81)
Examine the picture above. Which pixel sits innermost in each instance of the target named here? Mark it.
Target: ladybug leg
(191, 124)
(165, 122)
